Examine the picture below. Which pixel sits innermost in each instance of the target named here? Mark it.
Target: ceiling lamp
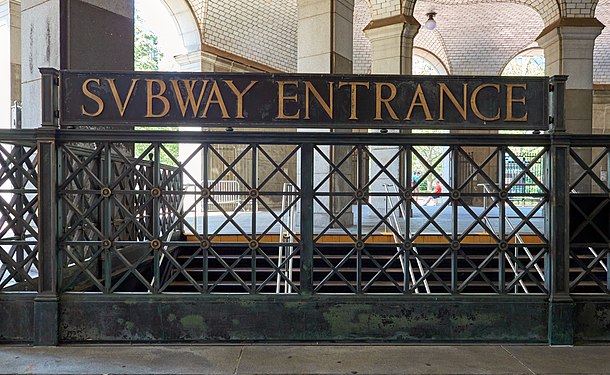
(431, 23)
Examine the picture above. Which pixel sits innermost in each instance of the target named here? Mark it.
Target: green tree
(146, 58)
(146, 47)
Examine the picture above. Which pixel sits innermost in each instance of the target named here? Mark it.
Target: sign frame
(313, 101)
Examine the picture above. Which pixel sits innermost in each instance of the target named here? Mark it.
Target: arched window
(427, 64)
(527, 63)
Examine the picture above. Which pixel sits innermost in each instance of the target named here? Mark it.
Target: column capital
(392, 44)
(570, 29)
(400, 19)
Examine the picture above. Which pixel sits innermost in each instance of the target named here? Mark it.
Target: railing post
(46, 303)
(561, 305)
(307, 187)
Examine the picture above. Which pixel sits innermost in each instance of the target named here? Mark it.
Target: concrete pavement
(304, 359)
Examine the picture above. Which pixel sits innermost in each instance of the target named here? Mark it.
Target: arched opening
(156, 44)
(426, 63)
(527, 63)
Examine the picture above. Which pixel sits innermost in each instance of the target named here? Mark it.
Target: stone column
(10, 63)
(392, 53)
(325, 45)
(71, 34)
(568, 49)
(392, 44)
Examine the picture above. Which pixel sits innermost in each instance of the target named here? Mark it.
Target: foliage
(146, 47)
(147, 57)
(172, 148)
(532, 66)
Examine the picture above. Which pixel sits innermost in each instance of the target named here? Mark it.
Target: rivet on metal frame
(106, 244)
(253, 193)
(155, 192)
(205, 244)
(206, 192)
(155, 244)
(407, 245)
(359, 245)
(407, 194)
(456, 194)
(503, 194)
(359, 194)
(503, 245)
(253, 245)
(106, 192)
(455, 245)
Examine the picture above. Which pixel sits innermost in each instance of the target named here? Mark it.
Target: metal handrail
(518, 238)
(284, 250)
(403, 210)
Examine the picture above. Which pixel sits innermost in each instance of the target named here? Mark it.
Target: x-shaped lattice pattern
(18, 218)
(495, 191)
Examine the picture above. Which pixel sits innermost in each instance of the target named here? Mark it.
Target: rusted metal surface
(321, 318)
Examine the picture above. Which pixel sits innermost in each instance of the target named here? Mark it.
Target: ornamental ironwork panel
(18, 217)
(116, 211)
(430, 219)
(589, 219)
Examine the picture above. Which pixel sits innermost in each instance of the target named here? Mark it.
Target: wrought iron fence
(314, 220)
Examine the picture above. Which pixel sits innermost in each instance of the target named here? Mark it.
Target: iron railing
(121, 220)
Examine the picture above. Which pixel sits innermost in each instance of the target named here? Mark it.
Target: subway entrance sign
(303, 100)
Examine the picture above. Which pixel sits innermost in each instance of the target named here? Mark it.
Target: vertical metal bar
(359, 186)
(455, 212)
(408, 214)
(502, 220)
(561, 309)
(106, 215)
(307, 172)
(556, 103)
(359, 233)
(46, 314)
(157, 231)
(204, 210)
(254, 186)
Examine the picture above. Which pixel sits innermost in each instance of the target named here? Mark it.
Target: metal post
(307, 169)
(46, 303)
(561, 305)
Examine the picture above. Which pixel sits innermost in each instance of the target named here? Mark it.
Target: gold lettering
(473, 102)
(189, 85)
(354, 88)
(95, 98)
(122, 106)
(215, 93)
(240, 96)
(510, 100)
(419, 94)
(328, 107)
(150, 97)
(445, 90)
(282, 98)
(385, 101)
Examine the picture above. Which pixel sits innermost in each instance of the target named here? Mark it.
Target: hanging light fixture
(430, 23)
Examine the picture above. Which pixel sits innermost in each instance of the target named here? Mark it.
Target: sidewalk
(305, 359)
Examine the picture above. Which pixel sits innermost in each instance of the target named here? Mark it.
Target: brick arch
(549, 10)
